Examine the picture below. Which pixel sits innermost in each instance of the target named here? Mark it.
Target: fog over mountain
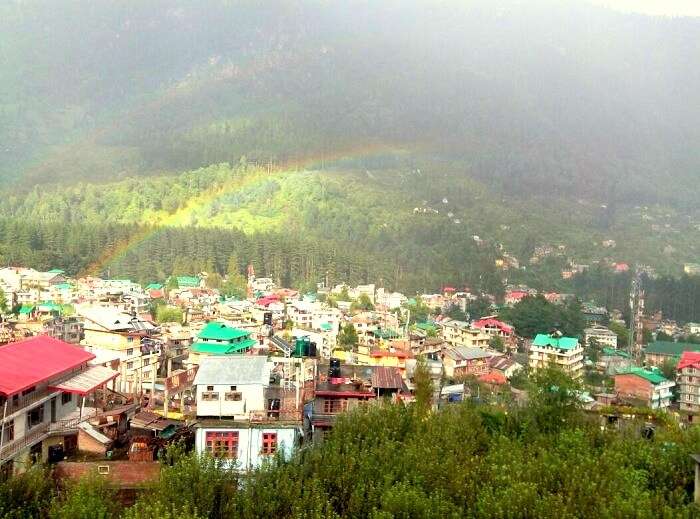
(526, 96)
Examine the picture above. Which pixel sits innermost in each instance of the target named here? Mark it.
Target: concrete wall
(253, 399)
(250, 442)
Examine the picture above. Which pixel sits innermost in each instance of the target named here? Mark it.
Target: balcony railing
(41, 432)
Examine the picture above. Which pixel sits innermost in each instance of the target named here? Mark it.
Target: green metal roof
(26, 309)
(426, 326)
(613, 352)
(561, 343)
(221, 332)
(50, 306)
(187, 281)
(326, 327)
(154, 286)
(652, 375)
(386, 334)
(227, 348)
(56, 271)
(63, 286)
(671, 348)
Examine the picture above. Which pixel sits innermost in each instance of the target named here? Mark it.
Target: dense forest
(543, 97)
(153, 253)
(370, 140)
(549, 459)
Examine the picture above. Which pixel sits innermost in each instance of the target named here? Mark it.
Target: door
(53, 409)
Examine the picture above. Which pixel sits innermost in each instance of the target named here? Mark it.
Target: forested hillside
(540, 123)
(529, 96)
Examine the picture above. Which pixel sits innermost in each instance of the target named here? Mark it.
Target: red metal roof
(26, 363)
(494, 377)
(345, 394)
(493, 323)
(689, 358)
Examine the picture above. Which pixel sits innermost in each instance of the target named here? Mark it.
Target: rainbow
(208, 197)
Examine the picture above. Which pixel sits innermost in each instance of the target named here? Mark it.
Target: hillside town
(104, 374)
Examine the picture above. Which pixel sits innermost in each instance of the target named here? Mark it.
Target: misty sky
(656, 7)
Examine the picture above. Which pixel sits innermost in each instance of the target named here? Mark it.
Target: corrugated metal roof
(234, 370)
(87, 381)
(221, 332)
(561, 343)
(386, 378)
(26, 363)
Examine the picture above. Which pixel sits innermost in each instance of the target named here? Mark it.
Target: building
(659, 352)
(565, 353)
(505, 365)
(688, 379)
(42, 381)
(339, 388)
(243, 415)
(219, 339)
(613, 361)
(68, 329)
(644, 387)
(494, 327)
(460, 333)
(136, 342)
(603, 336)
(460, 361)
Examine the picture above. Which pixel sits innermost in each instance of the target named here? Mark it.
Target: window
(103, 469)
(146, 361)
(334, 406)
(233, 388)
(233, 396)
(129, 365)
(222, 444)
(66, 398)
(210, 396)
(129, 339)
(269, 443)
(8, 433)
(210, 388)
(130, 351)
(35, 416)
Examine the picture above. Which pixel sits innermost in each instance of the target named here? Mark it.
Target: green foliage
(496, 343)
(622, 332)
(478, 308)
(423, 386)
(347, 338)
(535, 315)
(27, 495)
(363, 303)
(89, 498)
(168, 314)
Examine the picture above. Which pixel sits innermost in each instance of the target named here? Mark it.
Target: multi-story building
(66, 329)
(245, 413)
(645, 387)
(219, 340)
(601, 335)
(136, 341)
(461, 333)
(460, 361)
(338, 389)
(659, 352)
(42, 381)
(688, 370)
(564, 353)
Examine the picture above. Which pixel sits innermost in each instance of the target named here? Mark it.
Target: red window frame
(269, 443)
(222, 444)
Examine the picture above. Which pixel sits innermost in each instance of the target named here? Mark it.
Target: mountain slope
(525, 97)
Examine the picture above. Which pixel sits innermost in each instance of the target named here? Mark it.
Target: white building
(565, 353)
(243, 416)
(602, 335)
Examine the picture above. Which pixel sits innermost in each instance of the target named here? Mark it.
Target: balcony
(42, 431)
